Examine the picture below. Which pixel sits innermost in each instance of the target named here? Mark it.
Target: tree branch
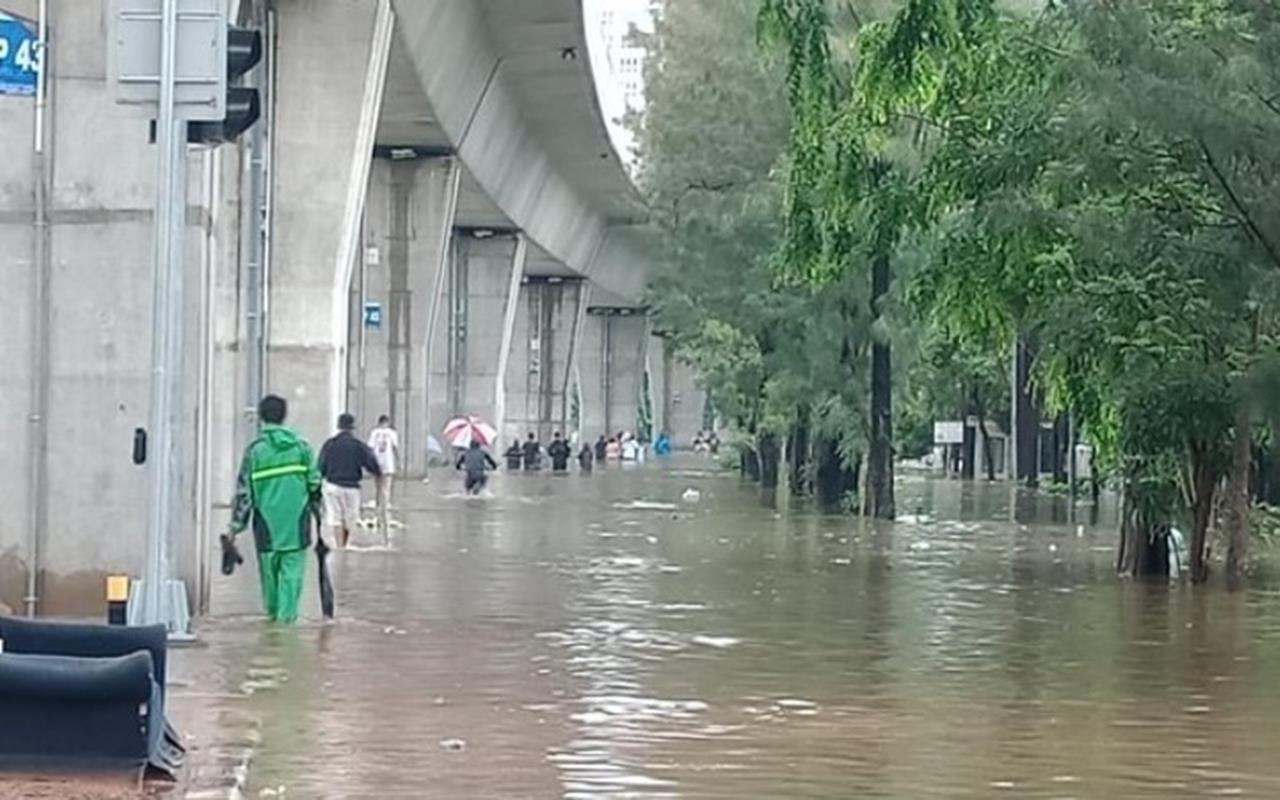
(1272, 103)
(1048, 48)
(1272, 251)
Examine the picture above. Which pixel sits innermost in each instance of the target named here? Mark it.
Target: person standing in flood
(343, 461)
(559, 452)
(532, 453)
(602, 449)
(477, 464)
(514, 456)
(586, 458)
(385, 444)
(277, 491)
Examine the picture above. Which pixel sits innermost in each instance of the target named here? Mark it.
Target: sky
(609, 82)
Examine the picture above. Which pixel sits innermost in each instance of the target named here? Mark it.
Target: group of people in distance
(706, 443)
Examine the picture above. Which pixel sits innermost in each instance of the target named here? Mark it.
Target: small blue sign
(373, 316)
(19, 55)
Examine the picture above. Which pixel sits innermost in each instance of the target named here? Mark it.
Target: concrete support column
(539, 374)
(332, 57)
(472, 323)
(614, 357)
(408, 232)
(508, 333)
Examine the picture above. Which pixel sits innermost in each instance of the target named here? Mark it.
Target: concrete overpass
(444, 162)
(485, 116)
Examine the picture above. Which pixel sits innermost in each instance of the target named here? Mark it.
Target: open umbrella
(462, 431)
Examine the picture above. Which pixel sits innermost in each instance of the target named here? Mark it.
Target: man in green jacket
(276, 492)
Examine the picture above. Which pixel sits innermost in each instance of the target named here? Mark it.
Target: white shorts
(341, 507)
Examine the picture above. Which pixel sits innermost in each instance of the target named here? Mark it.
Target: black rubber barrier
(70, 713)
(85, 641)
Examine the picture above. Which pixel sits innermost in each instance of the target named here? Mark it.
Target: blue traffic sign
(19, 55)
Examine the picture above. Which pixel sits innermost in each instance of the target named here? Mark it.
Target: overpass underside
(444, 230)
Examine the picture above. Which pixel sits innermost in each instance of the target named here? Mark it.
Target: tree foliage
(1098, 178)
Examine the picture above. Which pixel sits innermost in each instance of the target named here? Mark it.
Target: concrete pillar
(614, 354)
(332, 56)
(511, 303)
(408, 231)
(539, 375)
(467, 335)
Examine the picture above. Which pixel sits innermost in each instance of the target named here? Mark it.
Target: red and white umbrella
(462, 431)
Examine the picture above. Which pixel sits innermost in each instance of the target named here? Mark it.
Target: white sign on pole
(133, 58)
(948, 433)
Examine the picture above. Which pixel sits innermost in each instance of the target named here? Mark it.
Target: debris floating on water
(454, 745)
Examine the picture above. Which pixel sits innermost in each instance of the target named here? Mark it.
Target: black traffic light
(244, 51)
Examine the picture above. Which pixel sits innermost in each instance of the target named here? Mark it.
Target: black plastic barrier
(63, 712)
(81, 645)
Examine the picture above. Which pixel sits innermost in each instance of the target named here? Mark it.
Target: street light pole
(166, 344)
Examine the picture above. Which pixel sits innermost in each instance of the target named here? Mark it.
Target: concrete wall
(100, 240)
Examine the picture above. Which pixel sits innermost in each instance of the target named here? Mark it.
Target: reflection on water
(602, 637)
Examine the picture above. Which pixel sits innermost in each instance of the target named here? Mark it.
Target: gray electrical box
(133, 56)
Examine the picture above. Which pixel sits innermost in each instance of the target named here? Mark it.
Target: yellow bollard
(117, 599)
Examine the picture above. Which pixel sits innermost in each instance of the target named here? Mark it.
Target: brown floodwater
(603, 637)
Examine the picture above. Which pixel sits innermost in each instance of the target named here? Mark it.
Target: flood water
(599, 637)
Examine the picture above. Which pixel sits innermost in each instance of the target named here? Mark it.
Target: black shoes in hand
(231, 557)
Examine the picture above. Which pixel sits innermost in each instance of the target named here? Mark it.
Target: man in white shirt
(385, 444)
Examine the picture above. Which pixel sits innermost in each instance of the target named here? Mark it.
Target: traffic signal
(244, 51)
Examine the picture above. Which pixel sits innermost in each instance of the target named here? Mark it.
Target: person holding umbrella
(277, 490)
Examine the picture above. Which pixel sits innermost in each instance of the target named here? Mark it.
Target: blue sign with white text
(373, 316)
(19, 55)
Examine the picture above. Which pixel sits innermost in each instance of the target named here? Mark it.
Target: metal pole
(37, 457)
(165, 354)
(266, 127)
(255, 288)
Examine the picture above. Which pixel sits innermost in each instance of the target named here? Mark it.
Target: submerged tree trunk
(980, 410)
(835, 481)
(798, 457)
(1026, 413)
(879, 502)
(1237, 499)
(750, 462)
(1204, 486)
(1144, 544)
(1061, 448)
(770, 454)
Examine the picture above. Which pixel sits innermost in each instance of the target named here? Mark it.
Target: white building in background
(618, 62)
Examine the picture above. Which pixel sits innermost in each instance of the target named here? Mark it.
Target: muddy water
(601, 638)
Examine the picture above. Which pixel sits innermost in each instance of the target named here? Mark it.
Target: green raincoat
(276, 491)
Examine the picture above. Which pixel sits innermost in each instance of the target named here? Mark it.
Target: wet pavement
(603, 637)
